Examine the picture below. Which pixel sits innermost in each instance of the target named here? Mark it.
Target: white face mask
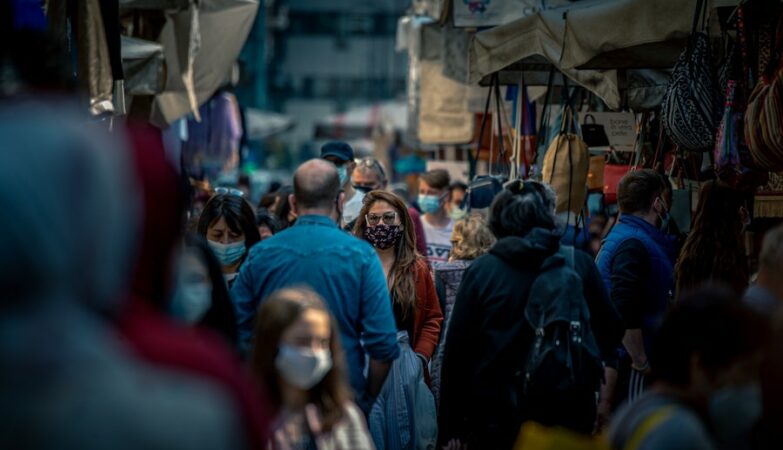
(734, 410)
(192, 300)
(303, 367)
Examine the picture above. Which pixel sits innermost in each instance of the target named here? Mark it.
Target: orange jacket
(428, 317)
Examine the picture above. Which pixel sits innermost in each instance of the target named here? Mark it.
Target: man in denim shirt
(344, 270)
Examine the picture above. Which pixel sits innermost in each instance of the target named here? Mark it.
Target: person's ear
(341, 203)
(292, 204)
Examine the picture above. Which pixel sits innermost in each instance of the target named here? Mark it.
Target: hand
(603, 414)
(644, 368)
(455, 444)
(424, 362)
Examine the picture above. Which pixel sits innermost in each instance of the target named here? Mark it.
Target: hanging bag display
(566, 164)
(764, 115)
(615, 170)
(691, 107)
(482, 189)
(594, 133)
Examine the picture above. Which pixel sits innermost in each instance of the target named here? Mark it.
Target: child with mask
(297, 356)
(229, 225)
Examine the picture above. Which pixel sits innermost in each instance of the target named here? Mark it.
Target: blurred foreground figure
(145, 320)
(705, 392)
(66, 380)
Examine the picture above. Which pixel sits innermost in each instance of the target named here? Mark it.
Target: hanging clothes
(213, 143)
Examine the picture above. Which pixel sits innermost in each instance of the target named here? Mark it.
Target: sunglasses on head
(228, 191)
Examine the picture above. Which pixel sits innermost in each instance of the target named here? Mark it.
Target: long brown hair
(278, 312)
(714, 250)
(403, 283)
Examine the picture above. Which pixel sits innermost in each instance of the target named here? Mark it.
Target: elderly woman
(471, 238)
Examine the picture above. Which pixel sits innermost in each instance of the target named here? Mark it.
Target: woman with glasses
(229, 225)
(385, 223)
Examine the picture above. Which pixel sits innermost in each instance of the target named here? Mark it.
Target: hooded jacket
(488, 336)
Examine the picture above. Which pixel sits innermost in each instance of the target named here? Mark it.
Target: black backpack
(563, 362)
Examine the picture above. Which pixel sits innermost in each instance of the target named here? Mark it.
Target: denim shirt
(344, 270)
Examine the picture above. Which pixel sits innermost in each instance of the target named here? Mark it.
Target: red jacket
(429, 317)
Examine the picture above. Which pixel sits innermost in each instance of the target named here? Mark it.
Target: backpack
(563, 362)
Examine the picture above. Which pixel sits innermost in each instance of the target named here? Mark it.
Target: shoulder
(421, 267)
(631, 245)
(657, 423)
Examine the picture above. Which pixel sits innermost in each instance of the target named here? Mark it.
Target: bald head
(316, 185)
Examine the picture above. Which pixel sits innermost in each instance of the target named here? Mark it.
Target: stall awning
(615, 34)
(360, 121)
(592, 35)
(260, 125)
(201, 44)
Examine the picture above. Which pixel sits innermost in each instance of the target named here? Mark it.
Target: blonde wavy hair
(471, 238)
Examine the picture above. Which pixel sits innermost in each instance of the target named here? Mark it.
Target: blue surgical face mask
(429, 204)
(228, 254)
(342, 171)
(192, 300)
(458, 213)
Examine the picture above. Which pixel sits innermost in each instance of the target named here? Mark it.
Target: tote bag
(566, 164)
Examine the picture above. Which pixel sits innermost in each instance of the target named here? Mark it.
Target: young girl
(297, 355)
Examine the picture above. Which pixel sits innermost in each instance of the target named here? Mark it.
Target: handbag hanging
(764, 115)
(691, 107)
(566, 164)
(594, 133)
(613, 173)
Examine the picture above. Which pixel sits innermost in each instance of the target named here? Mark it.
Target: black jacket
(488, 336)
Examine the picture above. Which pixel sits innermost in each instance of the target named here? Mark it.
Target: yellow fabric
(647, 426)
(534, 436)
(567, 162)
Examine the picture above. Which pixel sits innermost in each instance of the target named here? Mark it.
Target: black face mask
(363, 189)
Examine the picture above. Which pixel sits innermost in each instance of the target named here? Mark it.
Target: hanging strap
(501, 144)
(473, 160)
(700, 13)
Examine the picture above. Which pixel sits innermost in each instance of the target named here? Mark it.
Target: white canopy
(201, 45)
(263, 124)
(592, 33)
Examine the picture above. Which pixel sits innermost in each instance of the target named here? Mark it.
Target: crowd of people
(338, 314)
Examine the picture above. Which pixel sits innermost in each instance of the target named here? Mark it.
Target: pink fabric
(421, 241)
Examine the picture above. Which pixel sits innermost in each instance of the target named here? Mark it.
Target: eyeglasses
(375, 219)
(228, 191)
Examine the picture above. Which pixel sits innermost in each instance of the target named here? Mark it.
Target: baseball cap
(339, 150)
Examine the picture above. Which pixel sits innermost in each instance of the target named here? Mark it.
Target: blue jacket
(404, 416)
(660, 251)
(344, 270)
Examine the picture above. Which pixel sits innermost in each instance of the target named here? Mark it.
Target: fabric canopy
(536, 38)
(633, 33)
(592, 35)
(201, 44)
(389, 115)
(260, 125)
(143, 64)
